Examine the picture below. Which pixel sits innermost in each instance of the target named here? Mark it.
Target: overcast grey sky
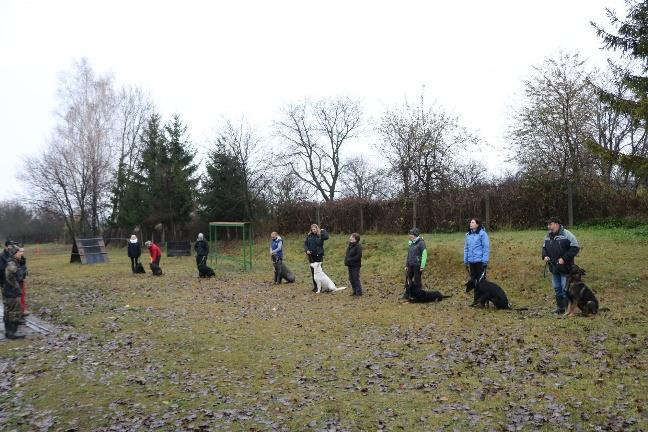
(205, 60)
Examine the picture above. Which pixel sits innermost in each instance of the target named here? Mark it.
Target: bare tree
(73, 176)
(134, 107)
(316, 133)
(363, 180)
(240, 141)
(552, 124)
(421, 144)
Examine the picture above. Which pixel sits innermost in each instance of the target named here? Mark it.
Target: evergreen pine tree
(632, 40)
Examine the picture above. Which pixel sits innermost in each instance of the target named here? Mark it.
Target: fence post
(570, 203)
(361, 218)
(487, 212)
(317, 214)
(414, 211)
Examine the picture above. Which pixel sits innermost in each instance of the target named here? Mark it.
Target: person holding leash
(414, 265)
(476, 252)
(134, 252)
(202, 250)
(276, 254)
(314, 248)
(154, 250)
(559, 249)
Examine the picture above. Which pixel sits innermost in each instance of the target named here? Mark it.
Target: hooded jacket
(134, 250)
(476, 246)
(14, 274)
(561, 245)
(353, 257)
(201, 247)
(315, 243)
(276, 247)
(416, 253)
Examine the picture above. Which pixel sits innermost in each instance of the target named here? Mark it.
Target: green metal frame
(247, 243)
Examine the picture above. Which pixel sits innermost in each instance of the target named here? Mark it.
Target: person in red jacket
(155, 252)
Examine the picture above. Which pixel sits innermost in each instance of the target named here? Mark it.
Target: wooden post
(570, 203)
(487, 210)
(361, 218)
(317, 215)
(414, 211)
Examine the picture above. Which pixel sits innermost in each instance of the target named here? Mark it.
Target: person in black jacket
(314, 248)
(559, 249)
(134, 252)
(202, 250)
(353, 260)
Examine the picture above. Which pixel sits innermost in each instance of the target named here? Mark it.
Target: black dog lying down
(423, 296)
(488, 291)
(578, 293)
(204, 271)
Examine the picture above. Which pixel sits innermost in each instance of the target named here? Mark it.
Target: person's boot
(11, 331)
(561, 303)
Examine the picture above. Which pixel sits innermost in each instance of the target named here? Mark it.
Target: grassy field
(237, 353)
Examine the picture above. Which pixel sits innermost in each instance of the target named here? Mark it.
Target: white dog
(322, 281)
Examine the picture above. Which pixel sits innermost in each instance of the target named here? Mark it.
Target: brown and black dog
(580, 294)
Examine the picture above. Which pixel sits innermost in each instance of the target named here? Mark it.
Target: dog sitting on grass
(580, 294)
(488, 291)
(323, 282)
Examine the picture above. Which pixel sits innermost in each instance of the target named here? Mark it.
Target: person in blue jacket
(476, 252)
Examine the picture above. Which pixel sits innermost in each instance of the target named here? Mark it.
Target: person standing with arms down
(414, 265)
(476, 252)
(559, 249)
(14, 275)
(353, 260)
(314, 248)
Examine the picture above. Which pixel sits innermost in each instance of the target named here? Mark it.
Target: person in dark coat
(14, 275)
(134, 251)
(5, 256)
(314, 248)
(202, 250)
(353, 261)
(559, 249)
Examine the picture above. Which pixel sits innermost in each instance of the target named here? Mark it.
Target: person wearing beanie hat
(202, 250)
(11, 291)
(134, 252)
(414, 265)
(559, 249)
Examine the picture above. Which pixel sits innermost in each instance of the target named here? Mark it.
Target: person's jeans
(559, 282)
(134, 261)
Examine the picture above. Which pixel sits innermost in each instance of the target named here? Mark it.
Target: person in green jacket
(414, 265)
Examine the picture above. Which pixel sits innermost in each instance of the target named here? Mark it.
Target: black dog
(139, 268)
(578, 293)
(204, 271)
(488, 291)
(155, 268)
(423, 296)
